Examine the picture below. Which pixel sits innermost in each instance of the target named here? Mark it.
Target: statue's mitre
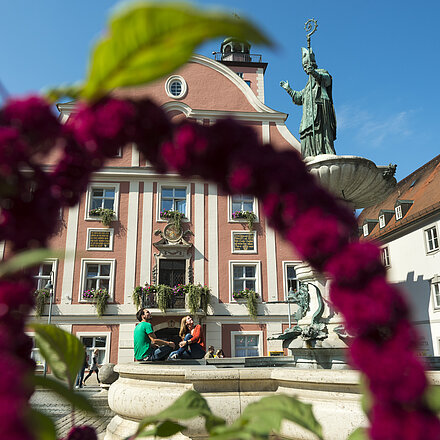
(306, 56)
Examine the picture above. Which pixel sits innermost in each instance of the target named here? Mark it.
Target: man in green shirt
(146, 346)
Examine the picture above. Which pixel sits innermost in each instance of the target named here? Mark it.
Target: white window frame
(54, 263)
(183, 84)
(285, 265)
(112, 233)
(365, 230)
(257, 264)
(173, 184)
(92, 334)
(398, 212)
(385, 255)
(435, 289)
(84, 262)
(242, 220)
(382, 223)
(259, 333)
(105, 185)
(254, 233)
(426, 233)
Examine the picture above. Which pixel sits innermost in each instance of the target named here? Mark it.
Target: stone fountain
(316, 341)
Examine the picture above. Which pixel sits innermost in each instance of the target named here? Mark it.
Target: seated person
(219, 354)
(210, 352)
(146, 346)
(192, 345)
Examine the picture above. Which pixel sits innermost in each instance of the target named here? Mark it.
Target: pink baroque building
(214, 250)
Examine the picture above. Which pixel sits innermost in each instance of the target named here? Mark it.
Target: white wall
(412, 268)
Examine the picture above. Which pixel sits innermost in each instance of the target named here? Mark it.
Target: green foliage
(251, 304)
(137, 296)
(43, 426)
(54, 94)
(106, 215)
(146, 41)
(62, 351)
(41, 297)
(100, 298)
(258, 421)
(77, 400)
(173, 217)
(261, 418)
(163, 296)
(249, 216)
(359, 434)
(251, 301)
(27, 259)
(366, 397)
(432, 398)
(188, 406)
(198, 296)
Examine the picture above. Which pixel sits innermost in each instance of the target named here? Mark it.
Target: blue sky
(383, 56)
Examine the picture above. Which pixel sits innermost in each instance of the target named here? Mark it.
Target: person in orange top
(192, 345)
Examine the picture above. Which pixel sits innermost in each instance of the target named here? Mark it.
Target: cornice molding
(276, 117)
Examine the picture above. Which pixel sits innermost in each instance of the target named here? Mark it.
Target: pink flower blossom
(82, 433)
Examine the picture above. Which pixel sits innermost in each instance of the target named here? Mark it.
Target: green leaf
(70, 396)
(358, 434)
(164, 429)
(261, 418)
(432, 398)
(189, 405)
(54, 94)
(366, 397)
(43, 427)
(63, 351)
(27, 259)
(146, 41)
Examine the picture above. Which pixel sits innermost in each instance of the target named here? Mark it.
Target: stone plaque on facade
(99, 239)
(243, 242)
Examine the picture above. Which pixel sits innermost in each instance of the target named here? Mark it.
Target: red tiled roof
(422, 187)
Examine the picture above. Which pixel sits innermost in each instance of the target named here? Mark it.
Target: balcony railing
(149, 300)
(238, 56)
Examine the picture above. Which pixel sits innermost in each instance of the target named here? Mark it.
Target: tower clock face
(172, 232)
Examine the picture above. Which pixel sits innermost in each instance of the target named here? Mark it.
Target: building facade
(215, 249)
(406, 225)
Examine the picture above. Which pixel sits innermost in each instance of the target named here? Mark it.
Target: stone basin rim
(332, 158)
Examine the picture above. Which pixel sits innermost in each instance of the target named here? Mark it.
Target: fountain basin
(145, 389)
(354, 179)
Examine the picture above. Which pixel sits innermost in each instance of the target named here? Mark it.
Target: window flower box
(98, 296)
(106, 215)
(249, 216)
(42, 297)
(251, 298)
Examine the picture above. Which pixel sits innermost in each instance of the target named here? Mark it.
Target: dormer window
(368, 226)
(385, 215)
(402, 207)
(366, 232)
